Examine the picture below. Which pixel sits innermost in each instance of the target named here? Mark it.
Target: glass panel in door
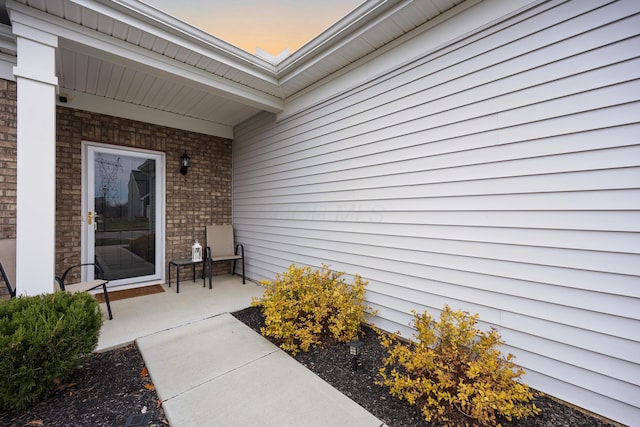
(124, 210)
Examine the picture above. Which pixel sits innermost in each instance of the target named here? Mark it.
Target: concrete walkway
(210, 369)
(219, 372)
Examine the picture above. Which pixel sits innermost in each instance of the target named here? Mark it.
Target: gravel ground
(113, 385)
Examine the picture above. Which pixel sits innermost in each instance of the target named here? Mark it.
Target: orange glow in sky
(272, 25)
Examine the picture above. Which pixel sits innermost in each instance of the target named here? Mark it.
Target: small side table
(177, 263)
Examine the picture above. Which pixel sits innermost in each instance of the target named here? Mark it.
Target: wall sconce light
(184, 163)
(355, 349)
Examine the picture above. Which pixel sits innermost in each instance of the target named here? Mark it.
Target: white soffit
(125, 51)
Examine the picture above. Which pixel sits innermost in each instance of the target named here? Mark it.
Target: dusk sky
(272, 25)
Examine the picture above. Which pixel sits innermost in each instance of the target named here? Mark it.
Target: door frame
(160, 228)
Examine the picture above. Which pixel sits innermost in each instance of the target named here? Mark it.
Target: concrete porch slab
(137, 317)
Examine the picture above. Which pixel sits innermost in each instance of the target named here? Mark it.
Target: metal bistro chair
(86, 286)
(8, 272)
(8, 264)
(221, 247)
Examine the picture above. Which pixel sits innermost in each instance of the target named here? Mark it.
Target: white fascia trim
(7, 40)
(148, 61)
(8, 46)
(367, 16)
(405, 49)
(343, 31)
(33, 32)
(7, 63)
(112, 107)
(153, 21)
(10, 59)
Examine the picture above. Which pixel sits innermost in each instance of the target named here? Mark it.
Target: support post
(36, 160)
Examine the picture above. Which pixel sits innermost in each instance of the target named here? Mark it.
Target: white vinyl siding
(499, 174)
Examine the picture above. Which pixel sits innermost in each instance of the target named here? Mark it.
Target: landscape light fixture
(138, 420)
(184, 163)
(355, 349)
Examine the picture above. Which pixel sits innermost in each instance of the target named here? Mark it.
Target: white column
(36, 160)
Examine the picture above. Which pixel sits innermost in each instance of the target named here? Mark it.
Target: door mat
(130, 293)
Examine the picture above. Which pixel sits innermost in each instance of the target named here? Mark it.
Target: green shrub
(454, 373)
(304, 308)
(42, 340)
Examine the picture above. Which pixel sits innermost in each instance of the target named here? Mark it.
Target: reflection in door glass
(125, 223)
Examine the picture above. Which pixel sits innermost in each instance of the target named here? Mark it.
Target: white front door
(124, 213)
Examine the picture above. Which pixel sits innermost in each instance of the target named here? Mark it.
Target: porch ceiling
(125, 51)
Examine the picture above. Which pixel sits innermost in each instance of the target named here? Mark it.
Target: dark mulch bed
(333, 364)
(104, 391)
(109, 387)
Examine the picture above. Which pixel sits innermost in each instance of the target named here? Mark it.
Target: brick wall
(201, 197)
(7, 165)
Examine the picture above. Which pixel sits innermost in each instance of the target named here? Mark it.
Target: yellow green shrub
(304, 308)
(454, 372)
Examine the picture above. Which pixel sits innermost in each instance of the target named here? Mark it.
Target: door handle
(92, 218)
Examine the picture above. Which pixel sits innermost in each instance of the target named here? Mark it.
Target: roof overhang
(124, 57)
